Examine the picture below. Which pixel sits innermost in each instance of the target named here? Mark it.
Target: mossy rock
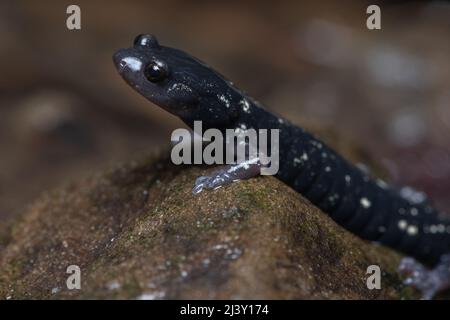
(138, 232)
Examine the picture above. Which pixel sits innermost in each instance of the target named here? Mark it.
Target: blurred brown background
(65, 113)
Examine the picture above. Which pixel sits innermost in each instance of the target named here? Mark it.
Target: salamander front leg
(227, 175)
(428, 281)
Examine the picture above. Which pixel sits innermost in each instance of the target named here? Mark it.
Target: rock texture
(138, 232)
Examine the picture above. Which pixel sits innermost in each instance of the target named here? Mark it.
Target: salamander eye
(156, 71)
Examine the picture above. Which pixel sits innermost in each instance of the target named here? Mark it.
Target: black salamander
(403, 218)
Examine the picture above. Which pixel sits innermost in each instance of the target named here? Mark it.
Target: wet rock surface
(138, 232)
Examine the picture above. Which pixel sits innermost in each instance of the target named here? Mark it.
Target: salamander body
(400, 218)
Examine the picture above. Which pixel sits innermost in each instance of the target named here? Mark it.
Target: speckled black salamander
(399, 218)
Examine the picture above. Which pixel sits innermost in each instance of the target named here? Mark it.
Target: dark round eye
(156, 71)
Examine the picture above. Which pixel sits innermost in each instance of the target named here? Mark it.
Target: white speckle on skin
(402, 224)
(245, 105)
(365, 202)
(133, 63)
(184, 274)
(280, 120)
(304, 156)
(414, 211)
(364, 168)
(316, 144)
(240, 131)
(412, 195)
(327, 169)
(433, 228)
(412, 230)
(224, 100)
(347, 178)
(333, 198)
(56, 290)
(179, 86)
(382, 184)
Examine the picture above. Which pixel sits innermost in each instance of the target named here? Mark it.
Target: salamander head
(176, 81)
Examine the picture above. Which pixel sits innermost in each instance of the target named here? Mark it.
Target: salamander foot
(428, 281)
(228, 174)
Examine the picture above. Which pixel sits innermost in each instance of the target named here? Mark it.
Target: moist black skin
(366, 206)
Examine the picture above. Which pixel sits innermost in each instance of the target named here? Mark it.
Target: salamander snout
(123, 60)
